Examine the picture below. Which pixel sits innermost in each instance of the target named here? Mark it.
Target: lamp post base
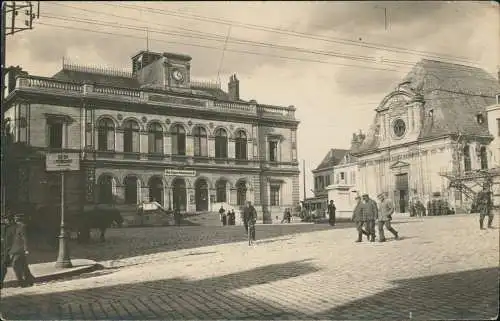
(63, 259)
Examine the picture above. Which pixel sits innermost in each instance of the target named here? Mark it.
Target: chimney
(233, 88)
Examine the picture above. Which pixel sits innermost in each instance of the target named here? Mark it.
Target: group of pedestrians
(228, 218)
(14, 243)
(367, 213)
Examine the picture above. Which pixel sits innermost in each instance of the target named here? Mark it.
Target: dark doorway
(401, 193)
(201, 195)
(241, 193)
(156, 190)
(179, 194)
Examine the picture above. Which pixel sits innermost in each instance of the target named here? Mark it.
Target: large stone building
(494, 147)
(434, 122)
(152, 133)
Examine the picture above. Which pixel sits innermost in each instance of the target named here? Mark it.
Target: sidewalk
(44, 272)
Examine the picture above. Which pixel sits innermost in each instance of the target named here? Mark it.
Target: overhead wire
(380, 47)
(403, 64)
(206, 36)
(219, 20)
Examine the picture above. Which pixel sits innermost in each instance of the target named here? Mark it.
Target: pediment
(399, 164)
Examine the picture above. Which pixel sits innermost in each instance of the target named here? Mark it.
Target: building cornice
(421, 141)
(150, 99)
(168, 111)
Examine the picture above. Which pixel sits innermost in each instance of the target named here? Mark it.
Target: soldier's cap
(357, 197)
(365, 195)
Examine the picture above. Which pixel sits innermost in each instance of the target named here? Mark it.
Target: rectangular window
(342, 176)
(273, 151)
(275, 195)
(327, 180)
(55, 132)
(498, 126)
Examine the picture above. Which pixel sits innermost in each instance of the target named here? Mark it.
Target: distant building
(434, 122)
(344, 187)
(324, 176)
(150, 134)
(493, 113)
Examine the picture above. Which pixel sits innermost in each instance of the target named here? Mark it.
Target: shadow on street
(464, 295)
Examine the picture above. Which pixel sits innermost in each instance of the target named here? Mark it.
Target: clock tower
(177, 70)
(162, 70)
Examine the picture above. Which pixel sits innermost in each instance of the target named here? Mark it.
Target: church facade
(432, 125)
(150, 134)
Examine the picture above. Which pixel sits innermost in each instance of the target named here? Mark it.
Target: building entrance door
(401, 193)
(201, 195)
(179, 194)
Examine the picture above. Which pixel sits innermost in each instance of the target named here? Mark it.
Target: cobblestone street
(442, 268)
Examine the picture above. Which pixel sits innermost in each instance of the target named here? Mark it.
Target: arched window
(105, 190)
(484, 157)
(241, 145)
(155, 138)
(467, 160)
(221, 191)
(178, 140)
(156, 190)
(105, 135)
(131, 190)
(200, 141)
(220, 143)
(131, 137)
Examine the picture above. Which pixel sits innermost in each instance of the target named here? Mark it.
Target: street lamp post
(63, 259)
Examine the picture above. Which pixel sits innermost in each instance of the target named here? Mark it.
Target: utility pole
(12, 8)
(304, 176)
(385, 16)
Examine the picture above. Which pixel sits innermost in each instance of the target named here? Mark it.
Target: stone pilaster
(231, 148)
(119, 140)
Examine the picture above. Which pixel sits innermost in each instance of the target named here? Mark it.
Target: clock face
(177, 74)
(399, 128)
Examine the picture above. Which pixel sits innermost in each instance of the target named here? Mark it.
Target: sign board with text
(180, 172)
(58, 162)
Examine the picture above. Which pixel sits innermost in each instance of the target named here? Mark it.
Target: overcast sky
(334, 96)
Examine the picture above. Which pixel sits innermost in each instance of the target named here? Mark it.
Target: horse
(97, 218)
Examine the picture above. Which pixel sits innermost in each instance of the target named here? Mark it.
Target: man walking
(249, 215)
(385, 217)
(370, 214)
(19, 251)
(331, 213)
(485, 206)
(358, 218)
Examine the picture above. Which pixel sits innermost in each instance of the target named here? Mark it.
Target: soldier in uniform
(19, 252)
(357, 217)
(485, 206)
(385, 217)
(331, 213)
(370, 214)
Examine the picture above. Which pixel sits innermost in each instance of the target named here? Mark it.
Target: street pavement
(442, 268)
